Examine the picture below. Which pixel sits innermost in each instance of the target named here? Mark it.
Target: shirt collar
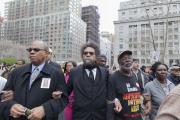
(169, 82)
(39, 66)
(165, 84)
(93, 70)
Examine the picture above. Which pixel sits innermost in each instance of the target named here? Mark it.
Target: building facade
(151, 29)
(106, 46)
(1, 27)
(57, 22)
(91, 16)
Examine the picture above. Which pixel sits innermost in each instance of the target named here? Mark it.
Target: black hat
(126, 52)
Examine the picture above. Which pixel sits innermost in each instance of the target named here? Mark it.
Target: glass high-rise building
(57, 22)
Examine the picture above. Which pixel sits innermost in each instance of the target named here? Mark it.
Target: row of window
(154, 9)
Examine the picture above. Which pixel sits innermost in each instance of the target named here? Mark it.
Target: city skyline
(108, 11)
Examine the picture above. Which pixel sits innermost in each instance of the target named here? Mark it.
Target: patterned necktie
(91, 76)
(34, 75)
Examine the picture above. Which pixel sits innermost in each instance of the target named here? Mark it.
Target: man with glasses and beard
(33, 85)
(124, 86)
(89, 83)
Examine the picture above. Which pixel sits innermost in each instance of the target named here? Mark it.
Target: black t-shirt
(127, 90)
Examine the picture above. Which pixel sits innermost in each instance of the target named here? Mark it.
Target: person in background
(142, 80)
(140, 75)
(67, 113)
(159, 88)
(114, 68)
(101, 61)
(50, 62)
(19, 63)
(143, 67)
(68, 110)
(170, 107)
(174, 75)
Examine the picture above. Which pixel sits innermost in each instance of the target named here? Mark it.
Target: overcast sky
(108, 10)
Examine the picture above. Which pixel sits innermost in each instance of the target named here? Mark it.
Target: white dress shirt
(94, 72)
(2, 83)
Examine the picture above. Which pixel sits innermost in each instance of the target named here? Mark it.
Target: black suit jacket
(36, 96)
(54, 64)
(89, 96)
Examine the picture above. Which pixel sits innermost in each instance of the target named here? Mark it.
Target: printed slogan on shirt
(133, 100)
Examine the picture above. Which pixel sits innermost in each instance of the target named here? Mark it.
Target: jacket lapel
(26, 73)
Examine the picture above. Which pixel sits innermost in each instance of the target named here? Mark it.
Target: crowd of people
(44, 90)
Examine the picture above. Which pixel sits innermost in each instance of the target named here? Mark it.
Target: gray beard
(126, 67)
(89, 64)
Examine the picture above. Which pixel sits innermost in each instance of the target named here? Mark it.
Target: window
(170, 61)
(148, 52)
(160, 8)
(170, 52)
(174, 6)
(135, 39)
(135, 45)
(161, 44)
(162, 37)
(176, 37)
(148, 60)
(121, 46)
(155, 23)
(142, 52)
(142, 45)
(176, 29)
(130, 39)
(135, 53)
(147, 45)
(155, 8)
(176, 43)
(161, 23)
(170, 44)
(130, 45)
(143, 61)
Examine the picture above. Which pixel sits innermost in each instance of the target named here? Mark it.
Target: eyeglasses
(91, 53)
(34, 49)
(103, 60)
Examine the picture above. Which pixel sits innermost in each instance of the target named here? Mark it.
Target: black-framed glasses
(34, 49)
(91, 53)
(103, 60)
